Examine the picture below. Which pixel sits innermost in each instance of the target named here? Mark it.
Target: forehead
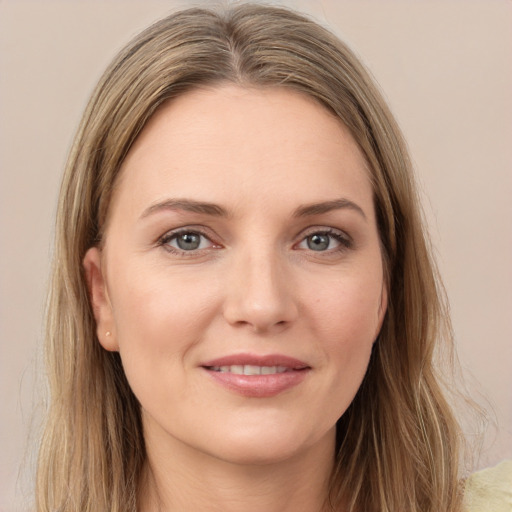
(253, 145)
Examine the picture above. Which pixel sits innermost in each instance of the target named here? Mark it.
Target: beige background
(445, 69)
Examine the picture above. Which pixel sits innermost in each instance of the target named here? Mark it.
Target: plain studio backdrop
(444, 67)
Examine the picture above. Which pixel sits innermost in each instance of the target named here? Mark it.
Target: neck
(185, 481)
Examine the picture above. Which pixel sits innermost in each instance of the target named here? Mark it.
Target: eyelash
(165, 240)
(345, 242)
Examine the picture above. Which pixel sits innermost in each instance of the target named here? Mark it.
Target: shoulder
(490, 489)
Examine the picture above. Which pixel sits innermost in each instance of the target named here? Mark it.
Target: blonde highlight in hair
(397, 444)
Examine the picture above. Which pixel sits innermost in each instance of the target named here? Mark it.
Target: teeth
(250, 369)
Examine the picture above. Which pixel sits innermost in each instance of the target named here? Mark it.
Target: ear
(98, 295)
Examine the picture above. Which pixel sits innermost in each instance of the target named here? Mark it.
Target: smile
(250, 369)
(256, 376)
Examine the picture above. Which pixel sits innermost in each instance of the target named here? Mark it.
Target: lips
(257, 376)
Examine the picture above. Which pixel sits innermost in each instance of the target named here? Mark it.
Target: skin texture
(253, 286)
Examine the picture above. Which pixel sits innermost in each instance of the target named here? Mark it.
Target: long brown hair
(397, 444)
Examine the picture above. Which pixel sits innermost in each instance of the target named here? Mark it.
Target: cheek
(347, 322)
(160, 314)
(349, 308)
(159, 320)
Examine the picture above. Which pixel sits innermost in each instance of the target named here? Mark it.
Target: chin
(269, 445)
(258, 453)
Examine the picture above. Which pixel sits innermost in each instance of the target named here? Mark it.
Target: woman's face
(241, 278)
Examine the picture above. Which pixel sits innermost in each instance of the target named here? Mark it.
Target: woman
(244, 308)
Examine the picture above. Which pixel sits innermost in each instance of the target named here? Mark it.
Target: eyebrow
(213, 209)
(327, 206)
(188, 205)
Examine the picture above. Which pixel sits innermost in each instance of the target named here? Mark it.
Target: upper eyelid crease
(179, 231)
(324, 229)
(335, 232)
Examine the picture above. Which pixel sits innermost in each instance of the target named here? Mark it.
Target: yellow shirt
(490, 490)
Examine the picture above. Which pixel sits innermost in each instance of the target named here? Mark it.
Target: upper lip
(257, 360)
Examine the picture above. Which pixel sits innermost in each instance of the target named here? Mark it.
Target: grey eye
(182, 241)
(318, 242)
(188, 241)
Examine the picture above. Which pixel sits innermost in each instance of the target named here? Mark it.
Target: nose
(260, 294)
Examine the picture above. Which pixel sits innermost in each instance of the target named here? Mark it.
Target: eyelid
(163, 241)
(326, 230)
(344, 239)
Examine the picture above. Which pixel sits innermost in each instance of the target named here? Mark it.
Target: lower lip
(259, 386)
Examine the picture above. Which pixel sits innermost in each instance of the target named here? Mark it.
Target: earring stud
(108, 333)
